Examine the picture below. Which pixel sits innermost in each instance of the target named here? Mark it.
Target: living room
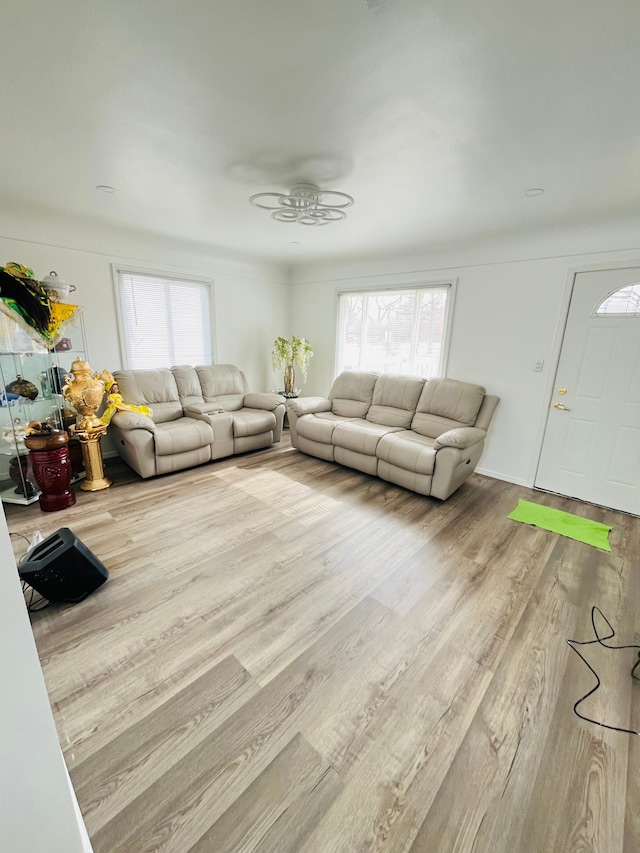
(440, 197)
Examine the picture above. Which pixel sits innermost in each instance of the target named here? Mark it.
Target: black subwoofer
(62, 568)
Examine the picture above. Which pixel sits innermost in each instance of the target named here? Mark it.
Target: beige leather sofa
(197, 414)
(427, 436)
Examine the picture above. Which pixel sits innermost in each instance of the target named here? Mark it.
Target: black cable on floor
(601, 641)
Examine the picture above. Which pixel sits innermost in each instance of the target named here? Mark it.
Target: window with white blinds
(165, 321)
(394, 331)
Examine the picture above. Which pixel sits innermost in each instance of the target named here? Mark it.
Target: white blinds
(164, 321)
(394, 331)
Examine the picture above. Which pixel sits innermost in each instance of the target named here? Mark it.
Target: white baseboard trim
(495, 475)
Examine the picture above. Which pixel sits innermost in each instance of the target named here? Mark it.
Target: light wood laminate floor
(292, 657)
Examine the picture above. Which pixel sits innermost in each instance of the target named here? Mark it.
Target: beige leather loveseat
(197, 414)
(425, 435)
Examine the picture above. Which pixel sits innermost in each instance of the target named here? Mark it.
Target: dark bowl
(47, 440)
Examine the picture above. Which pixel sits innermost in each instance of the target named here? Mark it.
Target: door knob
(561, 407)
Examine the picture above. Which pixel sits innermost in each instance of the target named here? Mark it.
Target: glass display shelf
(31, 380)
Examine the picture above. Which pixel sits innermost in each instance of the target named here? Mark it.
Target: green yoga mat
(565, 523)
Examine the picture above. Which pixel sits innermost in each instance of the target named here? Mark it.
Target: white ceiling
(436, 115)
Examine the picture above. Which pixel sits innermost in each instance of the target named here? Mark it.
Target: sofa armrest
(127, 421)
(461, 437)
(267, 401)
(309, 405)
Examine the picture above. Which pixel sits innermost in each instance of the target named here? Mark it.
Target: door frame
(558, 341)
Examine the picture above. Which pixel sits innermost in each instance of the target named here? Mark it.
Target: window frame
(617, 314)
(168, 275)
(450, 283)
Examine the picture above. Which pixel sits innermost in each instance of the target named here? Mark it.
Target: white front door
(591, 447)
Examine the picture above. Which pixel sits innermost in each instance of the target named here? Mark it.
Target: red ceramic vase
(52, 469)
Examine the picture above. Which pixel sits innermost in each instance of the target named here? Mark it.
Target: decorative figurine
(115, 403)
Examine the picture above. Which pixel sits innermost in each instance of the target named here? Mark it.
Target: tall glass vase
(289, 380)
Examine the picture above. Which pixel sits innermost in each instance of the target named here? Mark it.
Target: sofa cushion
(446, 404)
(407, 450)
(252, 422)
(154, 388)
(224, 384)
(128, 421)
(359, 435)
(394, 400)
(188, 384)
(351, 394)
(318, 427)
(182, 435)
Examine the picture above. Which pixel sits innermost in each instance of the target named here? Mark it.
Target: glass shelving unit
(44, 369)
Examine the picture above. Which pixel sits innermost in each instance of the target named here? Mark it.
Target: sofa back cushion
(224, 384)
(154, 388)
(188, 383)
(351, 394)
(394, 400)
(446, 404)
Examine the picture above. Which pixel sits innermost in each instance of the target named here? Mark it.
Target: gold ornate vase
(85, 392)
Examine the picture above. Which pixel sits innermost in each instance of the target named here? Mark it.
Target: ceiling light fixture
(103, 188)
(305, 204)
(534, 191)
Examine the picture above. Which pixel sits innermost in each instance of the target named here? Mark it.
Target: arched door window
(625, 301)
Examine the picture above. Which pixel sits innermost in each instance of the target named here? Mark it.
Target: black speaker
(62, 568)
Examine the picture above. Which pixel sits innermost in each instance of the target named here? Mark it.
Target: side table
(293, 396)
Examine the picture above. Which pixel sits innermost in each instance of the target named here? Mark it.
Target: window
(394, 331)
(164, 321)
(623, 301)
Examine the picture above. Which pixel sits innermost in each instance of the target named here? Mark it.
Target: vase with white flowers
(286, 354)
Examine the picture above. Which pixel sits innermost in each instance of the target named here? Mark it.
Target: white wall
(510, 308)
(37, 806)
(251, 300)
